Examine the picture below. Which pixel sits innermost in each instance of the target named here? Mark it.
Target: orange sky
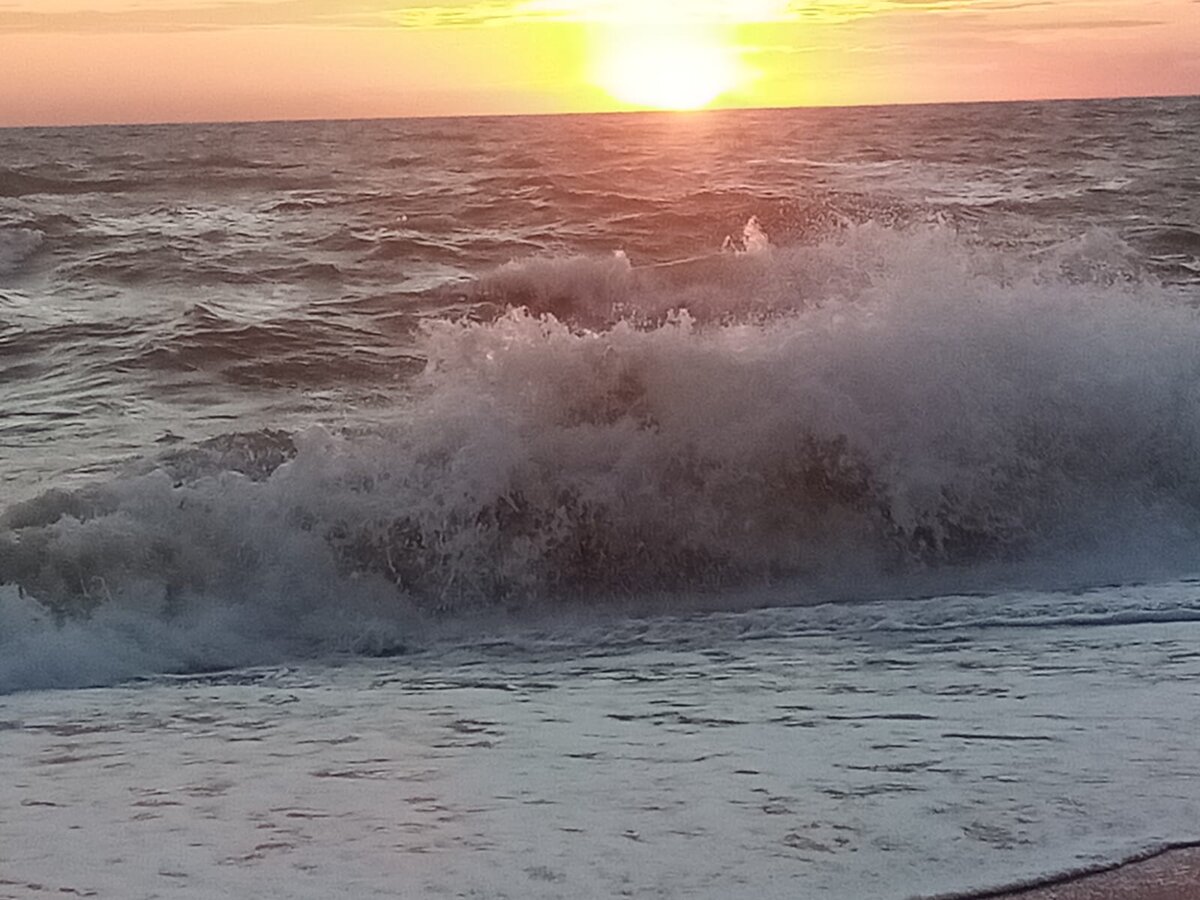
(85, 61)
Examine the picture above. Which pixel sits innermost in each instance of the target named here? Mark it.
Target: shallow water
(777, 753)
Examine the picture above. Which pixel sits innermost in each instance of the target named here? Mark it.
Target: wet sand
(1171, 875)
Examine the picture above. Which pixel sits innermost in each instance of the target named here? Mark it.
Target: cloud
(716, 12)
(201, 17)
(1090, 25)
(429, 14)
(221, 14)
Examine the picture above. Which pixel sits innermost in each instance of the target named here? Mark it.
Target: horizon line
(686, 113)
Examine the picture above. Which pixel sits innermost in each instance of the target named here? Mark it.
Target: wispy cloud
(1091, 24)
(26, 16)
(114, 16)
(727, 12)
(199, 17)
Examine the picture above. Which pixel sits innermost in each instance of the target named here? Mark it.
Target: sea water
(765, 503)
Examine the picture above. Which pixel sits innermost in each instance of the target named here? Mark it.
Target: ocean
(765, 503)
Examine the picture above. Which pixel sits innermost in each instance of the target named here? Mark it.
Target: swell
(298, 350)
(31, 181)
(21, 183)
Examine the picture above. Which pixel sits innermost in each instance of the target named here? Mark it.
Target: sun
(662, 68)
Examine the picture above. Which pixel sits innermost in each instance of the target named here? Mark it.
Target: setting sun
(666, 69)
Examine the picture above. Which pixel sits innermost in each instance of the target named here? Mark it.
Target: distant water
(741, 504)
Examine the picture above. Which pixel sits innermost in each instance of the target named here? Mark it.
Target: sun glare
(664, 69)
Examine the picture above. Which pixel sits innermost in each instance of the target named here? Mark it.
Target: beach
(1170, 875)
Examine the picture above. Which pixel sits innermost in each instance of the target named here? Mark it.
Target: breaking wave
(882, 412)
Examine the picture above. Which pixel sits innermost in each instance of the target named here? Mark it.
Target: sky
(105, 61)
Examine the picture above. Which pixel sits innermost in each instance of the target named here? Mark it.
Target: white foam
(712, 757)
